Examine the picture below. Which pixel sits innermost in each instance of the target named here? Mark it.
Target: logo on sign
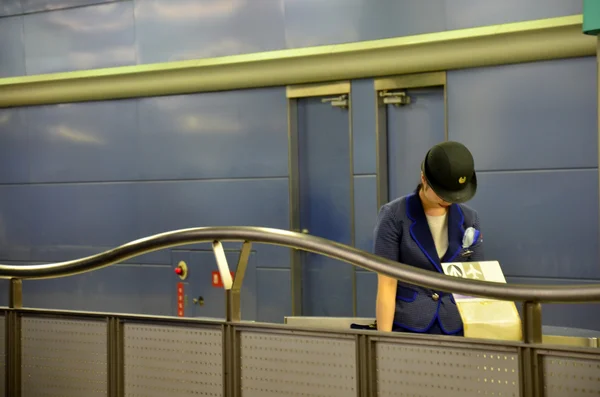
(473, 271)
(455, 271)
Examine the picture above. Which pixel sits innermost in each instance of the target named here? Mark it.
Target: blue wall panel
(366, 287)
(82, 178)
(462, 14)
(365, 210)
(80, 38)
(274, 299)
(164, 206)
(363, 126)
(96, 34)
(15, 223)
(83, 142)
(325, 205)
(140, 289)
(191, 29)
(537, 160)
(14, 147)
(12, 57)
(541, 223)
(314, 22)
(412, 130)
(68, 221)
(528, 116)
(215, 135)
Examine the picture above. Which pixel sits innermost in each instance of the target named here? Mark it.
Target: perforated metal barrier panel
(276, 365)
(173, 361)
(414, 370)
(3, 356)
(570, 377)
(63, 358)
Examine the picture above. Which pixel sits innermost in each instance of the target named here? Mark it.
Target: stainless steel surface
(66, 353)
(418, 369)
(345, 253)
(532, 322)
(15, 298)
(235, 304)
(64, 357)
(570, 376)
(273, 365)
(179, 361)
(3, 355)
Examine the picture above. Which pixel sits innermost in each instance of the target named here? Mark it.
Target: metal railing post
(532, 335)
(15, 298)
(13, 339)
(233, 310)
(115, 357)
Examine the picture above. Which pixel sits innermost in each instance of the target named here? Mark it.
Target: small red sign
(217, 281)
(180, 300)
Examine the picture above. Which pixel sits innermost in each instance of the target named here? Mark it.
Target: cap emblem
(462, 179)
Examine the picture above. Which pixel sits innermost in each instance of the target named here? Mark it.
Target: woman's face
(431, 197)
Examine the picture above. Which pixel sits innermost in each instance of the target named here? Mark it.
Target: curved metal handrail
(317, 245)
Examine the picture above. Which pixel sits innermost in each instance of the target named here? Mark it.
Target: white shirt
(438, 225)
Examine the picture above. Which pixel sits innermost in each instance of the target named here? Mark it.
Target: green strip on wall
(591, 17)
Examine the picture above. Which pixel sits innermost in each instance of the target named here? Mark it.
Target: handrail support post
(532, 335)
(233, 288)
(532, 327)
(15, 299)
(234, 296)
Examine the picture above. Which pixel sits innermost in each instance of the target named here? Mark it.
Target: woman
(424, 229)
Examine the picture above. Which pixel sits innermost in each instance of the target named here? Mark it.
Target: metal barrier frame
(531, 376)
(530, 351)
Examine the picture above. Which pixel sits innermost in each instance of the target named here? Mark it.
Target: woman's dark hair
(419, 187)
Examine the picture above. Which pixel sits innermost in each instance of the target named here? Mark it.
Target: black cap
(449, 170)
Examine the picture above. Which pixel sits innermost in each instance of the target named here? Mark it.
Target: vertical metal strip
(362, 366)
(116, 357)
(228, 381)
(236, 368)
(13, 339)
(234, 298)
(371, 367)
(7, 346)
(532, 335)
(294, 192)
(381, 154)
(352, 216)
(13, 354)
(15, 299)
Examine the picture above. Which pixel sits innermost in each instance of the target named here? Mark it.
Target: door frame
(293, 95)
(398, 83)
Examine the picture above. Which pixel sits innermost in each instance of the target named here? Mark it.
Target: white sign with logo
(485, 271)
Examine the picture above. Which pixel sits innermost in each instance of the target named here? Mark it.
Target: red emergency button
(181, 270)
